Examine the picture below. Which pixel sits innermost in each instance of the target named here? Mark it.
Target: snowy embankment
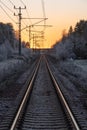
(82, 64)
(9, 67)
(76, 70)
(10, 61)
(72, 78)
(64, 55)
(71, 75)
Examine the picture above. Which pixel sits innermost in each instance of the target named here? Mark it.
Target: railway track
(73, 90)
(43, 105)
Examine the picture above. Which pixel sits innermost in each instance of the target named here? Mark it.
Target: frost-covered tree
(64, 50)
(9, 43)
(80, 39)
(74, 44)
(70, 31)
(7, 33)
(64, 35)
(10, 33)
(2, 35)
(81, 28)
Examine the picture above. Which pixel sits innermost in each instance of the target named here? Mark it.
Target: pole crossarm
(19, 7)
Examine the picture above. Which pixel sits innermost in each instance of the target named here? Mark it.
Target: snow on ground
(77, 70)
(5, 50)
(10, 61)
(72, 77)
(9, 67)
(15, 63)
(81, 63)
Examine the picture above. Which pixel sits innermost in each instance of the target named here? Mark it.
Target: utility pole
(41, 20)
(30, 34)
(42, 33)
(33, 41)
(19, 14)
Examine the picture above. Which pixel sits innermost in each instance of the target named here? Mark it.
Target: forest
(74, 43)
(9, 42)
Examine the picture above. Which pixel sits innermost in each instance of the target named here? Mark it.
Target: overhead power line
(24, 6)
(7, 14)
(16, 10)
(29, 20)
(8, 9)
(44, 14)
(28, 14)
(43, 7)
(6, 6)
(11, 2)
(22, 2)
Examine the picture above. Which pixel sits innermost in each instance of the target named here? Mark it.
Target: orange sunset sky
(61, 15)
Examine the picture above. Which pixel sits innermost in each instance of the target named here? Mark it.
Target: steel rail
(63, 100)
(25, 98)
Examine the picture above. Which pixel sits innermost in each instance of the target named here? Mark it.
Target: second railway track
(42, 108)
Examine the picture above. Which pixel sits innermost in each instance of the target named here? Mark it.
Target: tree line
(7, 32)
(75, 41)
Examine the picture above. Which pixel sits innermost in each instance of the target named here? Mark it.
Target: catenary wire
(11, 2)
(7, 14)
(6, 7)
